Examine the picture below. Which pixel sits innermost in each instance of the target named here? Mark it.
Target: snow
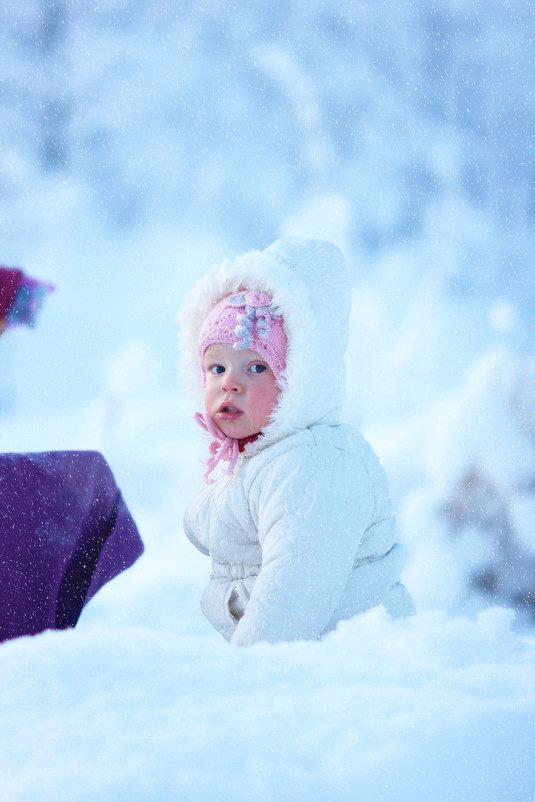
(140, 144)
(427, 708)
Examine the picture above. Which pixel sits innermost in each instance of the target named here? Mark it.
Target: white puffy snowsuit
(302, 535)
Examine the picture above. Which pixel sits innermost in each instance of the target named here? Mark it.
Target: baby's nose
(231, 383)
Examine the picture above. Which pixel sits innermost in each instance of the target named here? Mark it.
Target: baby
(295, 513)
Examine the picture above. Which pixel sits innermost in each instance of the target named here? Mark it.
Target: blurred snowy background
(141, 141)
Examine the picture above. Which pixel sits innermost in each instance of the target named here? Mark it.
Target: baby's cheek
(208, 396)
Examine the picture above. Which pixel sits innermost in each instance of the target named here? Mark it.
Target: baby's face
(240, 392)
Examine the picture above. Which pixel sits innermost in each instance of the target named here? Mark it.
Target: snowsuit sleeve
(312, 506)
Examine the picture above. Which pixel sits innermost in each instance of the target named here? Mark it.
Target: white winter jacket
(302, 535)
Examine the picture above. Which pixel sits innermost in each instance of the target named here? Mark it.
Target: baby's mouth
(228, 411)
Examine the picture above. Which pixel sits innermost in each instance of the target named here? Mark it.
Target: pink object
(222, 447)
(10, 279)
(247, 320)
(21, 297)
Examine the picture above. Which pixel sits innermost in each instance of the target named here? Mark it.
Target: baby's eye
(216, 369)
(257, 367)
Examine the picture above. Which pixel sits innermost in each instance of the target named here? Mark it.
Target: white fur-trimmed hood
(309, 284)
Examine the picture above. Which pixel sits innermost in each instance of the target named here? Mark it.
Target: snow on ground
(428, 708)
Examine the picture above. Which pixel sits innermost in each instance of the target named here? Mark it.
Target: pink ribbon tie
(222, 447)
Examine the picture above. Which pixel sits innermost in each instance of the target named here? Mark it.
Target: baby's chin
(236, 429)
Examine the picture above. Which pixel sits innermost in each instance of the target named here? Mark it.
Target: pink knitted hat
(247, 320)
